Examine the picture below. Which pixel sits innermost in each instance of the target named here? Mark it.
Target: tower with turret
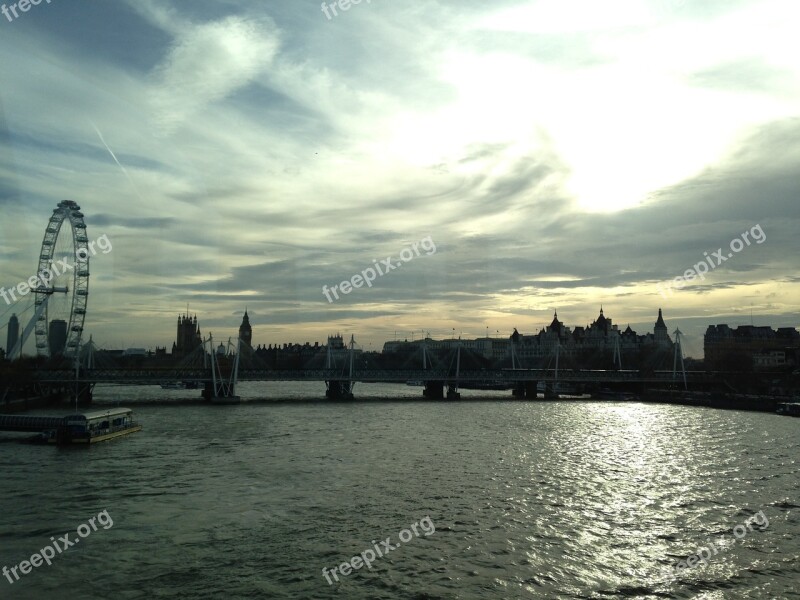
(188, 336)
(660, 332)
(246, 331)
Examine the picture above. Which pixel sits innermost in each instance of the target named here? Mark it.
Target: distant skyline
(561, 154)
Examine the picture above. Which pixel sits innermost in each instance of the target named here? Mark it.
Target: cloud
(208, 63)
(746, 75)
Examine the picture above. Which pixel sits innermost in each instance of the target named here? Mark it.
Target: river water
(508, 499)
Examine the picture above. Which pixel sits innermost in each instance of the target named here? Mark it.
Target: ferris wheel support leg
(16, 351)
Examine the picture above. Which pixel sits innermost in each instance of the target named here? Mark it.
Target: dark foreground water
(510, 499)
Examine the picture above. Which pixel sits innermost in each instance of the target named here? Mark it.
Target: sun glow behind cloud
(631, 124)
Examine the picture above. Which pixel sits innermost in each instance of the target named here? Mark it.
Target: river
(488, 497)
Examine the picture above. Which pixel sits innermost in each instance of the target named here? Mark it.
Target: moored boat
(92, 427)
(173, 385)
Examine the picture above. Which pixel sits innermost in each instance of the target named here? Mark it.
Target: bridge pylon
(679, 355)
(224, 374)
(340, 388)
(452, 386)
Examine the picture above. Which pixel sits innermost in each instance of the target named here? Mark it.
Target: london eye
(63, 289)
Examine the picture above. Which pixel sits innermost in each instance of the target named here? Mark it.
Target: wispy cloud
(208, 63)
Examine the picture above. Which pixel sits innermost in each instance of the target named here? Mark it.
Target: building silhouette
(336, 342)
(57, 337)
(246, 335)
(589, 344)
(660, 333)
(306, 355)
(749, 347)
(188, 336)
(13, 333)
(490, 348)
(598, 345)
(245, 330)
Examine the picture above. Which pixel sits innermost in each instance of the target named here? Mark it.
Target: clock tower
(245, 331)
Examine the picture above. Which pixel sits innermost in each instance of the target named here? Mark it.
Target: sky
(557, 154)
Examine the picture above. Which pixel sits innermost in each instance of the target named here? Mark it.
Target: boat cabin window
(93, 422)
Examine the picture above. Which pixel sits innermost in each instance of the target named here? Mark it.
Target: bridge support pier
(224, 374)
(85, 396)
(452, 392)
(339, 389)
(434, 390)
(220, 394)
(525, 389)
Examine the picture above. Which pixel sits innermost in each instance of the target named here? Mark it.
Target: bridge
(157, 376)
(522, 381)
(219, 373)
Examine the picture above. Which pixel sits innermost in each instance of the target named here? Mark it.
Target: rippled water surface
(568, 499)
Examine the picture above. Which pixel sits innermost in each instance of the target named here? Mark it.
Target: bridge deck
(156, 376)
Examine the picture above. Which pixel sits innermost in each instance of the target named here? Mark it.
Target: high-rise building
(13, 333)
(57, 336)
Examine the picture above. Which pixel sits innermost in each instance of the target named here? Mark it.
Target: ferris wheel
(63, 290)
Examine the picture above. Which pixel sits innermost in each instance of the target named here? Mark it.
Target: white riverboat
(96, 426)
